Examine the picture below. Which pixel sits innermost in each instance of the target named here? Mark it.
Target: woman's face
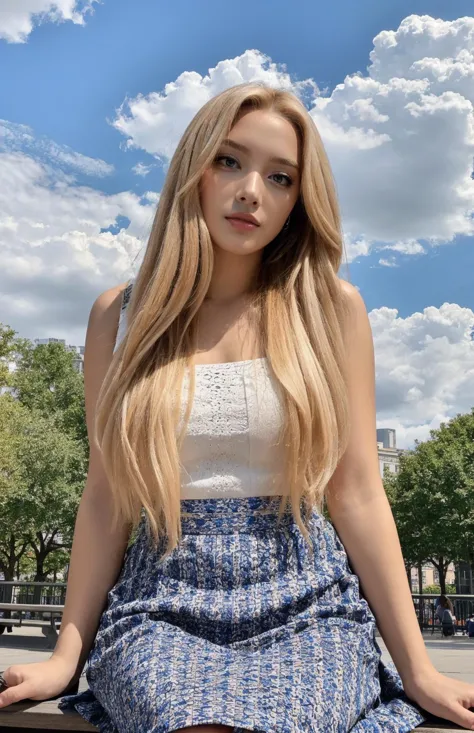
(255, 172)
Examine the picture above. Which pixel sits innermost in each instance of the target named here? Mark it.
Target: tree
(460, 431)
(432, 497)
(11, 348)
(14, 530)
(43, 475)
(47, 381)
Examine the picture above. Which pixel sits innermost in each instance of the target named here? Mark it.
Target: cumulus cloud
(156, 121)
(18, 17)
(424, 368)
(400, 138)
(57, 251)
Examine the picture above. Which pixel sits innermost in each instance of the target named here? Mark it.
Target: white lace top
(230, 448)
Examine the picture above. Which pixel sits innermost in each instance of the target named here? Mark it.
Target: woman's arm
(97, 552)
(360, 510)
(363, 519)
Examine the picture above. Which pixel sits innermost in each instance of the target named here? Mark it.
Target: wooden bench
(46, 716)
(48, 627)
(26, 716)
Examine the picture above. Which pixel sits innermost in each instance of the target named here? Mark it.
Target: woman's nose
(248, 199)
(249, 192)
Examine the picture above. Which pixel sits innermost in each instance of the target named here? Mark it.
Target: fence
(425, 608)
(21, 591)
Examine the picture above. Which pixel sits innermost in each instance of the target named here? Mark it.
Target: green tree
(47, 381)
(11, 348)
(14, 531)
(432, 497)
(43, 476)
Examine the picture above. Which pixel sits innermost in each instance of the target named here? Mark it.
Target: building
(389, 454)
(464, 579)
(430, 576)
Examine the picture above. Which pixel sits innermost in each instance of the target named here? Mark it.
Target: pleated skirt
(243, 625)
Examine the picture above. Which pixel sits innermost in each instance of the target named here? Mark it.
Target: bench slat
(440, 727)
(45, 715)
(31, 607)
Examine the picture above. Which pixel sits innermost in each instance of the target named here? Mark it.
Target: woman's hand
(443, 696)
(36, 681)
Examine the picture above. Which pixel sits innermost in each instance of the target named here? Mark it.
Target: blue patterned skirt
(245, 625)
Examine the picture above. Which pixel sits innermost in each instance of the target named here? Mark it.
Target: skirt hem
(378, 720)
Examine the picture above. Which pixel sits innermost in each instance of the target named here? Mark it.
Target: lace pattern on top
(231, 447)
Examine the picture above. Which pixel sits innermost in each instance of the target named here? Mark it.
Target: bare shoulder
(351, 295)
(101, 335)
(105, 310)
(100, 338)
(356, 316)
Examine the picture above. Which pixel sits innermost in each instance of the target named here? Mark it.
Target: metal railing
(50, 593)
(24, 591)
(425, 609)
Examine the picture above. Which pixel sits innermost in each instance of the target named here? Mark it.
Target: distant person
(445, 613)
(470, 626)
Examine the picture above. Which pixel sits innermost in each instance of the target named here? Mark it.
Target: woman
(238, 402)
(445, 614)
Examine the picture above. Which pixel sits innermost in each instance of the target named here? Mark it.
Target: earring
(287, 223)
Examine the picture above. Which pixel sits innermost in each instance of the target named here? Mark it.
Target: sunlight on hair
(301, 308)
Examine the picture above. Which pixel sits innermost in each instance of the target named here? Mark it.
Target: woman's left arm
(363, 519)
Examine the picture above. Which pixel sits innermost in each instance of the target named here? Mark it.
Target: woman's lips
(241, 224)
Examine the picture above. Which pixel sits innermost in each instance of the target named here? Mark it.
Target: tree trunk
(419, 567)
(441, 564)
(8, 569)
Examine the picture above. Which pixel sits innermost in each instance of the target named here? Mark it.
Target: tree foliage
(43, 453)
(432, 497)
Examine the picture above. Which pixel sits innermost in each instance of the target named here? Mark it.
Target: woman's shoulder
(355, 315)
(107, 313)
(350, 293)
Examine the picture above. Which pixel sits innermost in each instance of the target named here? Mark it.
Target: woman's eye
(286, 179)
(225, 158)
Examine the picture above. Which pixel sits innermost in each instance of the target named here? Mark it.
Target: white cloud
(18, 17)
(407, 247)
(384, 262)
(54, 258)
(355, 247)
(17, 137)
(156, 121)
(400, 139)
(140, 169)
(424, 368)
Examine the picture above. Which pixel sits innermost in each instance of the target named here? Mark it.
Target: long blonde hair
(299, 297)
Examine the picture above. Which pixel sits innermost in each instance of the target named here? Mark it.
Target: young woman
(231, 403)
(445, 613)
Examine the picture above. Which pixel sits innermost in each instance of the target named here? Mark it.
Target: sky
(94, 96)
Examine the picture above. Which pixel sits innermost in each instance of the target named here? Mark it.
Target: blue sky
(82, 146)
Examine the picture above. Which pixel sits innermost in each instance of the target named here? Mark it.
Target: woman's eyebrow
(244, 149)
